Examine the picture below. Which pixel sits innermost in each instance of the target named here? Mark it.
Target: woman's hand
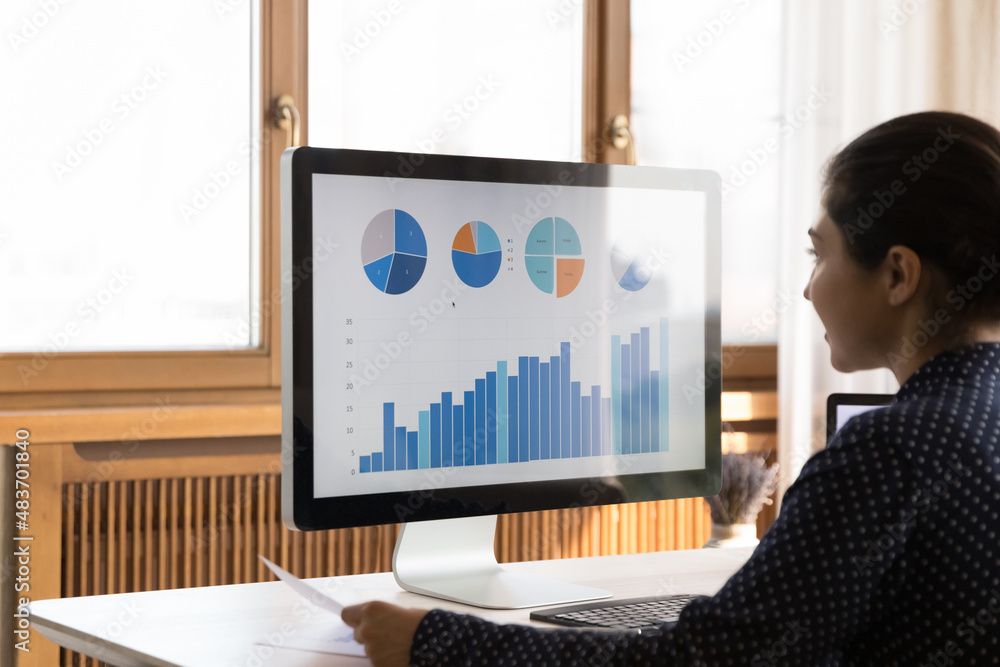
(385, 630)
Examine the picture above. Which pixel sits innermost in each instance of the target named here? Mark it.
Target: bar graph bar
(533, 410)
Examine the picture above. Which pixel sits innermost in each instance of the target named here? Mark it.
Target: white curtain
(851, 64)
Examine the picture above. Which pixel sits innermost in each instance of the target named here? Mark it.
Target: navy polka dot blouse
(885, 553)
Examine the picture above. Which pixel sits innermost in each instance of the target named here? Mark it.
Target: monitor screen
(468, 336)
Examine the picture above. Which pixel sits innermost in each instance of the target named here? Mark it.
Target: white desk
(218, 626)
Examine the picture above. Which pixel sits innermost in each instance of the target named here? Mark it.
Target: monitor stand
(453, 559)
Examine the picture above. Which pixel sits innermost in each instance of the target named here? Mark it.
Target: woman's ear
(903, 271)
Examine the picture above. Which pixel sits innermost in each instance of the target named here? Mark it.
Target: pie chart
(476, 254)
(553, 257)
(629, 264)
(394, 251)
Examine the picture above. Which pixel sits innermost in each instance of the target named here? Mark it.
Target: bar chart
(533, 410)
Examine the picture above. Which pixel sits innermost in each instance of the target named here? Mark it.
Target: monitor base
(453, 559)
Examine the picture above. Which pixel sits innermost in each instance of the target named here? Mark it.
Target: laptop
(841, 407)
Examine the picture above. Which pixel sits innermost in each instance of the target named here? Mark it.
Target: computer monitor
(465, 337)
(841, 407)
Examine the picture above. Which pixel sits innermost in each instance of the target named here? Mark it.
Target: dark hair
(931, 182)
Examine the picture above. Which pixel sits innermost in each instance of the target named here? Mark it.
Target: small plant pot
(732, 535)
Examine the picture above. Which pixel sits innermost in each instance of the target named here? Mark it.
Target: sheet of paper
(321, 633)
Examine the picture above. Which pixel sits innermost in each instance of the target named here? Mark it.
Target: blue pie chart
(476, 254)
(394, 251)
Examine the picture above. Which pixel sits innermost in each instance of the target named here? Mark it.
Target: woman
(886, 550)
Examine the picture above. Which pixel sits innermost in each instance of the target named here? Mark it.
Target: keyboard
(633, 614)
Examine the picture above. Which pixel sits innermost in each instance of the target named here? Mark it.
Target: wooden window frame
(32, 381)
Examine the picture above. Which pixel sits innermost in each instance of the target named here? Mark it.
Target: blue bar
(376, 461)
(664, 387)
(595, 423)
(616, 394)
(435, 435)
(645, 408)
(565, 411)
(636, 396)
(491, 417)
(456, 434)
(365, 464)
(401, 463)
(388, 446)
(654, 401)
(524, 398)
(411, 450)
(479, 455)
(585, 424)
(544, 451)
(533, 405)
(554, 412)
(575, 426)
(626, 402)
(447, 440)
(424, 438)
(512, 423)
(606, 425)
(469, 445)
(502, 411)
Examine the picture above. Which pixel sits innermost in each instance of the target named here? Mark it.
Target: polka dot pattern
(885, 553)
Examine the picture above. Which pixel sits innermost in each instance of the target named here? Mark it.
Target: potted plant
(747, 485)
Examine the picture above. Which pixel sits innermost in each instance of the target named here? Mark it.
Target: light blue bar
(626, 358)
(635, 393)
(565, 410)
(555, 451)
(585, 425)
(664, 386)
(424, 428)
(533, 409)
(616, 394)
(411, 450)
(644, 409)
(545, 395)
(524, 409)
(502, 412)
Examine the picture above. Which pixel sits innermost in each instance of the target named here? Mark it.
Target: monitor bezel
(833, 401)
(301, 510)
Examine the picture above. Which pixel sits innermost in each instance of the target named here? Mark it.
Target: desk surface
(219, 625)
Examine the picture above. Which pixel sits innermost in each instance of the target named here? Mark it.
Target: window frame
(57, 378)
